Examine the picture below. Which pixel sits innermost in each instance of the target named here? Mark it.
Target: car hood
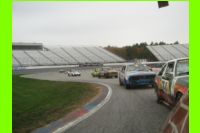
(139, 73)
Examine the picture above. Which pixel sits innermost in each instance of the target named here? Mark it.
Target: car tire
(178, 96)
(127, 86)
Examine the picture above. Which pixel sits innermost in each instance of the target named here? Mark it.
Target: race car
(108, 72)
(172, 81)
(73, 73)
(132, 75)
(96, 72)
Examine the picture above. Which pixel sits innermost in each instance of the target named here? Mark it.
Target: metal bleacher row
(169, 52)
(62, 56)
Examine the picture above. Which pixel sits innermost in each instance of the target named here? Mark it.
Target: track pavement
(127, 111)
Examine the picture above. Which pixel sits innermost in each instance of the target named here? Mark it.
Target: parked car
(136, 74)
(96, 72)
(178, 119)
(172, 81)
(108, 72)
(73, 73)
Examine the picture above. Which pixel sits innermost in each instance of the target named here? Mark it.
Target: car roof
(127, 64)
(178, 59)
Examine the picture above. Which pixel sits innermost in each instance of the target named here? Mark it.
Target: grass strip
(38, 102)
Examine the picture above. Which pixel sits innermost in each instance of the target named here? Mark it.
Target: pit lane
(127, 111)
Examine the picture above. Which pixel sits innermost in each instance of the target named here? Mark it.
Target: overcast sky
(99, 23)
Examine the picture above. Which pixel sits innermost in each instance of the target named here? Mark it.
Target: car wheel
(178, 96)
(128, 86)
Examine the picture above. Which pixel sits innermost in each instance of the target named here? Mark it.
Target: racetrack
(127, 111)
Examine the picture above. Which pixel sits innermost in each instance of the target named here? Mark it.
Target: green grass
(38, 102)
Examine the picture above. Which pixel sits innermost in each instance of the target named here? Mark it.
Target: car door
(167, 77)
(159, 77)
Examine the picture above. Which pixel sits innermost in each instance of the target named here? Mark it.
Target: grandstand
(169, 52)
(35, 54)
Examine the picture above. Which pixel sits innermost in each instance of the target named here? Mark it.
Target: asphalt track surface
(127, 111)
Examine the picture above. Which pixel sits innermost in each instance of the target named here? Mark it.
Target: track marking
(92, 111)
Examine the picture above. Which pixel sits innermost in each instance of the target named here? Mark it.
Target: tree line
(136, 51)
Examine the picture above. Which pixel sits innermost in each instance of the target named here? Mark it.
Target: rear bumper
(144, 80)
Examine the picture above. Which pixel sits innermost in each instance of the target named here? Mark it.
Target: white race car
(73, 73)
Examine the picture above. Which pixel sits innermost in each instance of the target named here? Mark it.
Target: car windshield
(182, 68)
(137, 68)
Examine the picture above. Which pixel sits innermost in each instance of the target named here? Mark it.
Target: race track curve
(127, 111)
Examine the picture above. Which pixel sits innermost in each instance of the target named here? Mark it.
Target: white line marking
(85, 116)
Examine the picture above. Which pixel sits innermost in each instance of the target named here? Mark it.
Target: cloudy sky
(99, 23)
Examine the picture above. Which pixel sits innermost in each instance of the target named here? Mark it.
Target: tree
(176, 42)
(162, 43)
(137, 50)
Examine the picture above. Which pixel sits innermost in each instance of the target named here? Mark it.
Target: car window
(170, 67)
(182, 67)
(123, 68)
(162, 70)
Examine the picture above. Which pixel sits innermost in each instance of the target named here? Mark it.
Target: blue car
(132, 75)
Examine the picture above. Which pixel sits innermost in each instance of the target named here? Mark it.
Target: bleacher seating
(105, 57)
(169, 52)
(49, 56)
(117, 58)
(14, 62)
(53, 57)
(39, 58)
(23, 58)
(78, 56)
(89, 55)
